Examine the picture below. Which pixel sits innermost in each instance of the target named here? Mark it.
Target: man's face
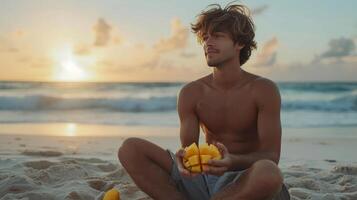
(219, 48)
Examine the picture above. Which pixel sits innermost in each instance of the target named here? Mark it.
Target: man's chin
(212, 64)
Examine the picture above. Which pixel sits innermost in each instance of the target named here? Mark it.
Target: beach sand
(72, 161)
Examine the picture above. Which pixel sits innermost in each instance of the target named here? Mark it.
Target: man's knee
(128, 149)
(269, 176)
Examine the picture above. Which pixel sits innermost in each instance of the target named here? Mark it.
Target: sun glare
(71, 129)
(68, 67)
(70, 71)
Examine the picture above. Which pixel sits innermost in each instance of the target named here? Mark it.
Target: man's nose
(208, 41)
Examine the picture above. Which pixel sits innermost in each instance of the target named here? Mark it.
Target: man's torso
(230, 116)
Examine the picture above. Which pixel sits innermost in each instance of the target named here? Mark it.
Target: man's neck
(227, 76)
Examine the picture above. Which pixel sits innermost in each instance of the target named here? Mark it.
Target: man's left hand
(219, 167)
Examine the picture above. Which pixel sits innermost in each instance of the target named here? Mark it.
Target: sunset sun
(70, 71)
(68, 67)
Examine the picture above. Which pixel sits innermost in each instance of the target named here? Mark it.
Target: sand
(316, 163)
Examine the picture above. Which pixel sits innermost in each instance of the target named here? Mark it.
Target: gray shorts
(204, 186)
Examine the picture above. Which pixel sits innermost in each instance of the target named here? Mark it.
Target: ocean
(154, 104)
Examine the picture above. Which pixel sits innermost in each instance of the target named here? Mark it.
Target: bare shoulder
(265, 91)
(189, 95)
(190, 88)
(194, 88)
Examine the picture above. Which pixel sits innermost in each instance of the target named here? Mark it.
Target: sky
(143, 41)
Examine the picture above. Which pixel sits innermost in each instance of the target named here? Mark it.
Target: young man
(238, 111)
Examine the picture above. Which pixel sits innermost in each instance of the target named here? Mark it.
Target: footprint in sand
(352, 170)
(42, 164)
(97, 184)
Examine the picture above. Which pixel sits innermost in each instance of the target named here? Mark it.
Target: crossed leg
(149, 166)
(262, 181)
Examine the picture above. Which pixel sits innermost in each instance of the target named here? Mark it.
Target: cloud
(187, 54)
(338, 49)
(117, 39)
(259, 10)
(42, 62)
(267, 56)
(102, 32)
(177, 40)
(6, 46)
(82, 49)
(103, 36)
(151, 63)
(24, 59)
(137, 57)
(341, 51)
(19, 33)
(337, 63)
(338, 71)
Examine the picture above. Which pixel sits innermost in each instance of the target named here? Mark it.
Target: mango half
(196, 158)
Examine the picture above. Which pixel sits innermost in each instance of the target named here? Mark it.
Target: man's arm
(268, 101)
(189, 124)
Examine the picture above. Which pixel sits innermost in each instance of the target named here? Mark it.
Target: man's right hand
(183, 171)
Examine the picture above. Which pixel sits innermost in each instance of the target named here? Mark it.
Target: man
(238, 111)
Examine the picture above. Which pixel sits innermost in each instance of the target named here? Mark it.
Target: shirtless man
(238, 111)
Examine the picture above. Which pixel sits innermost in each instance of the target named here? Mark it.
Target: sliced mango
(186, 164)
(196, 158)
(205, 158)
(191, 150)
(205, 149)
(215, 152)
(196, 169)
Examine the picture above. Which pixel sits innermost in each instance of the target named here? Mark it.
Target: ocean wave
(136, 97)
(319, 87)
(127, 104)
(153, 104)
(344, 103)
(90, 86)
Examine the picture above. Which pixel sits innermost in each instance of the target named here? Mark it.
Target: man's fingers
(222, 147)
(180, 153)
(184, 172)
(187, 173)
(180, 165)
(217, 163)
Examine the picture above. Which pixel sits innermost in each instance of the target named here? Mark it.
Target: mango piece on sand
(112, 194)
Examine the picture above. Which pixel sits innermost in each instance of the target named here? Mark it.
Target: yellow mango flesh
(196, 158)
(195, 169)
(112, 194)
(191, 150)
(215, 152)
(205, 158)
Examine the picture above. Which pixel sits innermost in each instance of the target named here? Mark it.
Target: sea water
(329, 104)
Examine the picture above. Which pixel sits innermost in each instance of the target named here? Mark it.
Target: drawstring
(206, 183)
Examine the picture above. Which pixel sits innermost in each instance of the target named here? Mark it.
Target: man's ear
(238, 46)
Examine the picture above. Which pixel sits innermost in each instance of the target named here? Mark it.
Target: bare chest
(233, 113)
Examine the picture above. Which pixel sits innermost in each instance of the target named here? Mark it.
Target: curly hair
(234, 20)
